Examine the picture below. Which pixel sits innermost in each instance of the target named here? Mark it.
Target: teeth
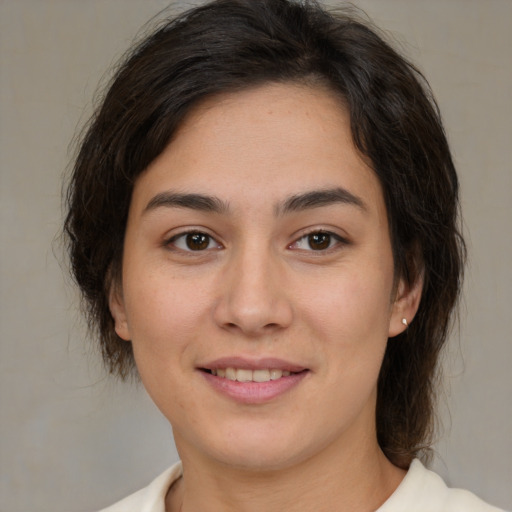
(275, 374)
(243, 375)
(230, 373)
(261, 375)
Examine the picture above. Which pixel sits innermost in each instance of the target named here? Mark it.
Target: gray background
(73, 440)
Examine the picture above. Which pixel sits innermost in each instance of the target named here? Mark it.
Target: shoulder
(152, 497)
(423, 490)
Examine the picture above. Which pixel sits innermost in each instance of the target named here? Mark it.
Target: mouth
(247, 375)
(253, 381)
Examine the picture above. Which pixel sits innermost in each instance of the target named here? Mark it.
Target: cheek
(354, 306)
(352, 320)
(163, 313)
(165, 326)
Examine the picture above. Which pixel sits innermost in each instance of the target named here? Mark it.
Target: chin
(259, 460)
(268, 448)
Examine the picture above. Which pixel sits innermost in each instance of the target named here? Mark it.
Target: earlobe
(118, 312)
(405, 306)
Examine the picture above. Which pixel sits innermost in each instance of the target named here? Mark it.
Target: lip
(253, 392)
(253, 364)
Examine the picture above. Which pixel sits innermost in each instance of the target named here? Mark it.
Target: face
(257, 285)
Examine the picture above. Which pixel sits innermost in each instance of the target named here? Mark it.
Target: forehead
(279, 139)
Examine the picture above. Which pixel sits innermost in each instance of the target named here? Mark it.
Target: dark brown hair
(229, 45)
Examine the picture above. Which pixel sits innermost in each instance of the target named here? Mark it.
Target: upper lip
(253, 364)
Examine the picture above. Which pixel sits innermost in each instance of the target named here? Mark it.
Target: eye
(317, 241)
(194, 241)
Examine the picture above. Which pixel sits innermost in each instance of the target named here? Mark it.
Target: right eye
(194, 241)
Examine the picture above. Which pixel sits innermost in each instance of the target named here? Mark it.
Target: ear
(118, 312)
(405, 305)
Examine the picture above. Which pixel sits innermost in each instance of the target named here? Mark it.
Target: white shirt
(420, 491)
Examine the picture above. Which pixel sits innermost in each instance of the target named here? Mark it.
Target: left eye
(318, 241)
(195, 241)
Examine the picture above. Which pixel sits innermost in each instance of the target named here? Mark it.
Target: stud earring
(405, 322)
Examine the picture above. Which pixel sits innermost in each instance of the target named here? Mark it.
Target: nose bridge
(253, 297)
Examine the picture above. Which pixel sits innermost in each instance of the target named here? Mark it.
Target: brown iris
(197, 241)
(319, 241)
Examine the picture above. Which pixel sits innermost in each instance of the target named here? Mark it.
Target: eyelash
(171, 242)
(332, 241)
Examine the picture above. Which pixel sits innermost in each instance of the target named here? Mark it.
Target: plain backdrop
(72, 439)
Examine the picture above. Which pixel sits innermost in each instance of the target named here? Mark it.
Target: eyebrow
(319, 198)
(295, 203)
(199, 202)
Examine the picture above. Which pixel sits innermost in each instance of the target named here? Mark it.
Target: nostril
(267, 327)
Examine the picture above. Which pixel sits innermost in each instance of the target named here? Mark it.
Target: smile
(252, 381)
(246, 375)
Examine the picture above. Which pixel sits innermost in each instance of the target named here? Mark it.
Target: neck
(356, 481)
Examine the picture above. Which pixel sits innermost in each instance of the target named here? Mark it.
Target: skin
(259, 289)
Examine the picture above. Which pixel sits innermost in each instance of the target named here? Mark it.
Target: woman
(263, 220)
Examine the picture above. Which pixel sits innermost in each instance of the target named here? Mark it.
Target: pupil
(197, 241)
(319, 241)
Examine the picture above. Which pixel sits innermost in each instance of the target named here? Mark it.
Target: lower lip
(254, 392)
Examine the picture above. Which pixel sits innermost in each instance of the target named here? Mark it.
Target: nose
(254, 296)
